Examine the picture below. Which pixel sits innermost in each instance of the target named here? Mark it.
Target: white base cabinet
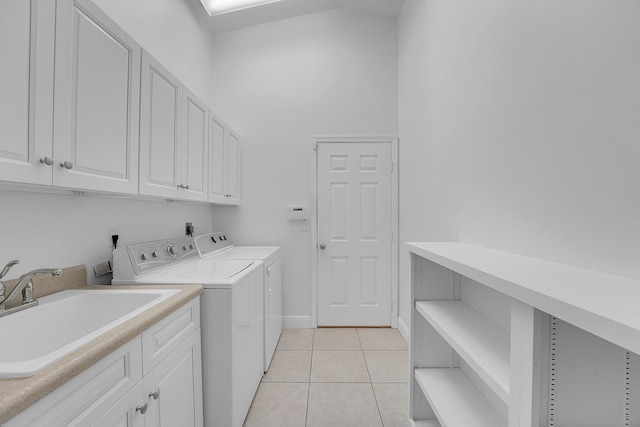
(153, 380)
(499, 339)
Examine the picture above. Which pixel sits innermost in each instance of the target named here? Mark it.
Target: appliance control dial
(154, 254)
(144, 256)
(171, 250)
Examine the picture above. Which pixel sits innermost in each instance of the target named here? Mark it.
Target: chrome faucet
(25, 284)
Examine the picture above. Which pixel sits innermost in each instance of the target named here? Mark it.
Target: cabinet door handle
(155, 394)
(142, 408)
(66, 164)
(47, 161)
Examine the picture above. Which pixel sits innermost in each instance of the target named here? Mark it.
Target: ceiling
(290, 8)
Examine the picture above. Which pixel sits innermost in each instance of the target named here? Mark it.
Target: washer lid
(205, 272)
(245, 252)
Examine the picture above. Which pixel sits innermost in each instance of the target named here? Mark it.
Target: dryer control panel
(208, 243)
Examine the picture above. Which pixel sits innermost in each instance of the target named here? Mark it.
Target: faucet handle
(7, 267)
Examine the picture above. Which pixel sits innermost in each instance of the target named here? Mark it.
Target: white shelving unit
(500, 339)
(478, 340)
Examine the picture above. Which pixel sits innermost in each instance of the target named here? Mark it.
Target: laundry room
(506, 126)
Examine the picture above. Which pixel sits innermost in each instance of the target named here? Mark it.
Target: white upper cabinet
(233, 167)
(97, 78)
(216, 159)
(160, 129)
(84, 107)
(224, 162)
(173, 136)
(26, 89)
(195, 147)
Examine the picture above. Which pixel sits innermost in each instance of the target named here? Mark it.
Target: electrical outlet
(102, 268)
(111, 231)
(189, 229)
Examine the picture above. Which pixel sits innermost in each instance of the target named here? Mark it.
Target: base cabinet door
(173, 389)
(127, 412)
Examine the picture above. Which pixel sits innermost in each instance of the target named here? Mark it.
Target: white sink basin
(61, 323)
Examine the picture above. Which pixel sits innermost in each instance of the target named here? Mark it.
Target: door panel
(233, 167)
(195, 150)
(27, 34)
(216, 159)
(160, 127)
(354, 226)
(96, 101)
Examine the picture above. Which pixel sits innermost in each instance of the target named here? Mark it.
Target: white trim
(403, 329)
(297, 322)
(313, 223)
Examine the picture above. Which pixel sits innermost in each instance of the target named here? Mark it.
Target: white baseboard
(403, 329)
(297, 322)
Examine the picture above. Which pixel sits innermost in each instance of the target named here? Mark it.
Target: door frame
(313, 210)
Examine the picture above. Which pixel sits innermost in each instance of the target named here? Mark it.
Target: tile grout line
(313, 346)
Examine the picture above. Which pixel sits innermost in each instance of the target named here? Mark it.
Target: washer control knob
(144, 256)
(184, 248)
(154, 254)
(171, 250)
(190, 246)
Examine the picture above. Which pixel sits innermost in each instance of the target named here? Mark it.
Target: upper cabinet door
(160, 129)
(216, 159)
(97, 87)
(233, 168)
(26, 89)
(195, 147)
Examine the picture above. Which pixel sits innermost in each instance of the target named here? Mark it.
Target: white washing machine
(219, 246)
(232, 318)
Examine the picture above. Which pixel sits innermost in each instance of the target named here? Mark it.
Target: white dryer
(219, 246)
(231, 309)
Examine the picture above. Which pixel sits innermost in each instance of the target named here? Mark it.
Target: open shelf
(455, 400)
(600, 303)
(483, 344)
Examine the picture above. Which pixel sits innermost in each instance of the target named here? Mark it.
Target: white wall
(174, 32)
(520, 130)
(46, 230)
(279, 84)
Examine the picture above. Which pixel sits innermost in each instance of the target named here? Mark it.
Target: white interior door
(354, 233)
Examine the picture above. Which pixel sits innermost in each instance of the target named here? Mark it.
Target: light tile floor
(334, 377)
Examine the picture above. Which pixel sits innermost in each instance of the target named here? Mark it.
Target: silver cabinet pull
(142, 408)
(66, 164)
(46, 160)
(323, 246)
(155, 394)
(184, 187)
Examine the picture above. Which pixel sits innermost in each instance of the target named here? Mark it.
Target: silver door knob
(66, 164)
(47, 160)
(155, 394)
(142, 408)
(323, 246)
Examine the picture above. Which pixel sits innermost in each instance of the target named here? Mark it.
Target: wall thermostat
(297, 213)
